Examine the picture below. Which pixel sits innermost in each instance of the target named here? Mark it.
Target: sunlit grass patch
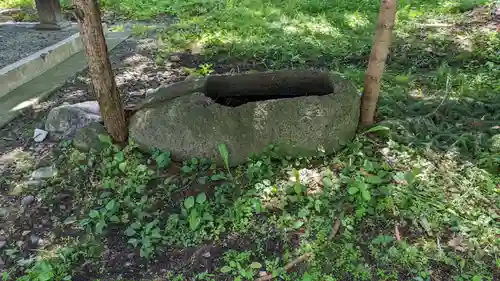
(17, 4)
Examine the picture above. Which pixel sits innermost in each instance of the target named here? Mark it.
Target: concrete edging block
(40, 87)
(24, 70)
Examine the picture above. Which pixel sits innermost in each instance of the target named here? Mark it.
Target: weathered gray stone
(26, 201)
(190, 124)
(63, 121)
(87, 138)
(33, 183)
(44, 173)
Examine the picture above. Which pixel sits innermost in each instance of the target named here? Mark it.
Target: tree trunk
(89, 19)
(376, 65)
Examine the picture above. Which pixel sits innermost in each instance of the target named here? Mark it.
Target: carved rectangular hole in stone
(237, 90)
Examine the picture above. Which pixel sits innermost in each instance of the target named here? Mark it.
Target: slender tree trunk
(88, 16)
(376, 65)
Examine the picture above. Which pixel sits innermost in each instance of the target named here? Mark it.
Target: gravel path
(18, 42)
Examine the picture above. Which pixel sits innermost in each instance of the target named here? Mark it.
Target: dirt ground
(136, 73)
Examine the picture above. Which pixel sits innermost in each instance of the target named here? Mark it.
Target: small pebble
(34, 239)
(27, 200)
(62, 207)
(26, 232)
(206, 255)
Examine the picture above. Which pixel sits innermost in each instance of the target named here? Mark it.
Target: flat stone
(33, 183)
(64, 121)
(301, 112)
(2, 244)
(87, 138)
(44, 173)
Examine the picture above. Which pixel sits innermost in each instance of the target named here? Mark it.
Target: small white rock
(40, 135)
(206, 255)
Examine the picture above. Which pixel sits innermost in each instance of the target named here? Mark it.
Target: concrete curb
(24, 70)
(40, 87)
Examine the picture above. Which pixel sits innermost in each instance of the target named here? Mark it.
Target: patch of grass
(17, 4)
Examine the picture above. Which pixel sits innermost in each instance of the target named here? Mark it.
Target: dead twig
(446, 94)
(396, 232)
(335, 229)
(287, 267)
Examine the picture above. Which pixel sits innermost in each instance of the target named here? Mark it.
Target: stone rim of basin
(188, 119)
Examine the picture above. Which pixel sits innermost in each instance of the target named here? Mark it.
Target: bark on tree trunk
(376, 64)
(88, 16)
